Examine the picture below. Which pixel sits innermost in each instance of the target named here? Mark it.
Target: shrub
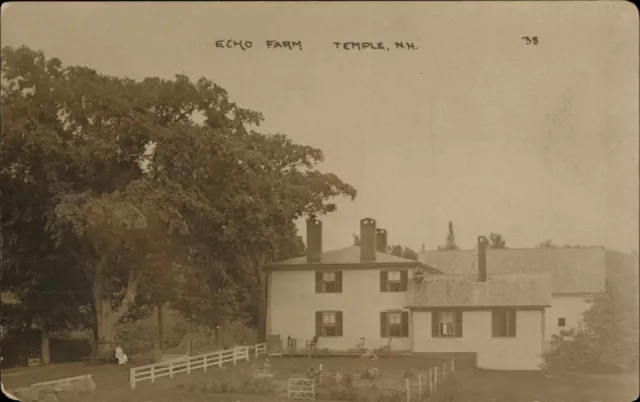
(609, 330)
(249, 386)
(348, 379)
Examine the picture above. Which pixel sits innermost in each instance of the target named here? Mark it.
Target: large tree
(145, 204)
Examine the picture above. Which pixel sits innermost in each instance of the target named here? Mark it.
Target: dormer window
(329, 282)
(393, 281)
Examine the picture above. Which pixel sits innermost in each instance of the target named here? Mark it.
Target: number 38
(530, 40)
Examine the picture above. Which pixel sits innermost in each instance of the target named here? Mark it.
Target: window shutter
(494, 323)
(318, 323)
(458, 327)
(383, 324)
(405, 323)
(435, 323)
(318, 282)
(339, 282)
(383, 281)
(512, 322)
(338, 323)
(404, 278)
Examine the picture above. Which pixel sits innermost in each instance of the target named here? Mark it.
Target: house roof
(466, 291)
(349, 256)
(572, 269)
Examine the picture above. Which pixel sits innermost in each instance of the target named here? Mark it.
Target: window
(446, 324)
(393, 281)
(329, 282)
(329, 323)
(561, 322)
(394, 324)
(504, 323)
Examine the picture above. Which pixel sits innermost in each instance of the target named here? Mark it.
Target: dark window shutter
(435, 323)
(404, 278)
(383, 281)
(512, 322)
(458, 326)
(494, 323)
(318, 282)
(318, 323)
(383, 324)
(338, 323)
(405, 323)
(339, 282)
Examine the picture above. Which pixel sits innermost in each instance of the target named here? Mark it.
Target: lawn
(467, 385)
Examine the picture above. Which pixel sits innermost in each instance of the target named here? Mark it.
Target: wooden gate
(302, 388)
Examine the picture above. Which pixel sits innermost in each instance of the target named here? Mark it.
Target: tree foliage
(114, 191)
(397, 249)
(607, 338)
(496, 241)
(546, 244)
(450, 240)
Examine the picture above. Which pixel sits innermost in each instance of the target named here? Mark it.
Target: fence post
(132, 378)
(406, 384)
(189, 366)
(220, 358)
(444, 370)
(435, 378)
(204, 362)
(153, 373)
(419, 388)
(170, 368)
(235, 350)
(452, 365)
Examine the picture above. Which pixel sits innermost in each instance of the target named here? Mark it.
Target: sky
(474, 126)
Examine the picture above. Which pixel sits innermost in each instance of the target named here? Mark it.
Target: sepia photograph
(427, 201)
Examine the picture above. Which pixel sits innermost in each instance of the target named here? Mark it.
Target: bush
(250, 386)
(607, 339)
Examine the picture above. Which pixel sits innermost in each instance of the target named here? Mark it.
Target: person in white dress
(121, 356)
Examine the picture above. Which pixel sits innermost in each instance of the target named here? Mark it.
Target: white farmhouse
(342, 296)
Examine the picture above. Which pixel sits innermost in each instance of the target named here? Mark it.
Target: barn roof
(466, 291)
(572, 269)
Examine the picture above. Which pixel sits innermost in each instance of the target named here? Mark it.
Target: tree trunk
(106, 335)
(261, 301)
(45, 351)
(106, 316)
(160, 341)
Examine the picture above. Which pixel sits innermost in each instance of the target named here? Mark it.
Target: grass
(492, 386)
(468, 384)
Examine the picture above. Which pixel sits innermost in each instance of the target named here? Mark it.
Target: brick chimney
(367, 239)
(314, 240)
(381, 240)
(482, 259)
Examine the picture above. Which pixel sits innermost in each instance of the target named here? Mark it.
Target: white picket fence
(191, 363)
(427, 383)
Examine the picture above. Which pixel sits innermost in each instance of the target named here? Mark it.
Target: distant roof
(466, 291)
(572, 269)
(347, 256)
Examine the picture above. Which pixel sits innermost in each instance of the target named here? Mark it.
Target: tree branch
(129, 297)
